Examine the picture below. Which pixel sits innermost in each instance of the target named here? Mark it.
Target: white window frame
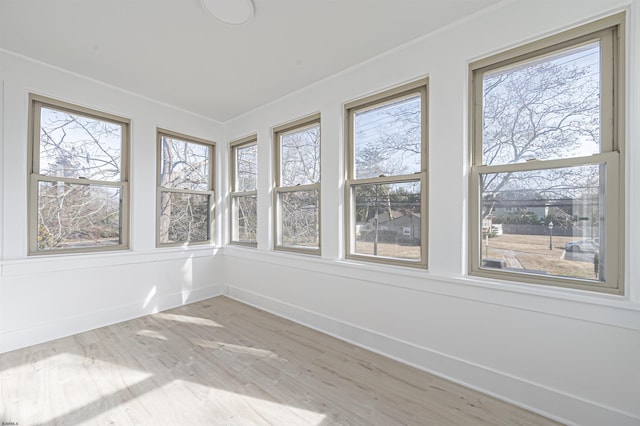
(417, 87)
(160, 133)
(280, 189)
(36, 103)
(611, 33)
(234, 193)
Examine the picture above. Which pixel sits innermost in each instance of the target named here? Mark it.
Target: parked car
(583, 245)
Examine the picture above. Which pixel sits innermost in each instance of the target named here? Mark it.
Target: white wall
(569, 354)
(46, 297)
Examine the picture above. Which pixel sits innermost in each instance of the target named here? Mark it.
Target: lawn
(531, 252)
(389, 250)
(526, 252)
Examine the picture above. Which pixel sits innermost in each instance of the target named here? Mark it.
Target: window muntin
(297, 192)
(78, 182)
(243, 197)
(546, 171)
(387, 178)
(185, 189)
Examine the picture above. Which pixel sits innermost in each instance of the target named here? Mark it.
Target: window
(78, 190)
(185, 189)
(244, 207)
(547, 128)
(386, 219)
(297, 192)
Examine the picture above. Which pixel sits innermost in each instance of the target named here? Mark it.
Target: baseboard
(63, 327)
(540, 399)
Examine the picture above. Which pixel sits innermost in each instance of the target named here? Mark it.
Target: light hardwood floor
(220, 362)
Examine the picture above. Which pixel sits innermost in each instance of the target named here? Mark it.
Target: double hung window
(244, 207)
(185, 189)
(79, 193)
(297, 192)
(386, 219)
(546, 175)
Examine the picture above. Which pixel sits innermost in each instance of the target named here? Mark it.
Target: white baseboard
(551, 403)
(63, 327)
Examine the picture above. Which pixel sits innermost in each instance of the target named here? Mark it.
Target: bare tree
(389, 140)
(244, 202)
(184, 216)
(300, 157)
(78, 149)
(300, 166)
(542, 111)
(388, 143)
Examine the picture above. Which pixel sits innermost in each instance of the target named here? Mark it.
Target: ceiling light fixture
(234, 12)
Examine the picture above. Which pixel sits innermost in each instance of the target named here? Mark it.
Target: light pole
(550, 235)
(486, 244)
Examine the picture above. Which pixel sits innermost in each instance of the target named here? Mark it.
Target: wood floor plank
(220, 362)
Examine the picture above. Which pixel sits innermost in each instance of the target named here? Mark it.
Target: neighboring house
(521, 203)
(393, 226)
(536, 209)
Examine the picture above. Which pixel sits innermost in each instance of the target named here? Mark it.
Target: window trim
(233, 194)
(292, 127)
(611, 33)
(420, 86)
(160, 132)
(36, 103)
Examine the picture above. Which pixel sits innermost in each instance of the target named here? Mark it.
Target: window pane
(184, 217)
(300, 156)
(299, 219)
(547, 222)
(246, 168)
(184, 165)
(543, 109)
(388, 139)
(244, 220)
(75, 146)
(387, 220)
(78, 216)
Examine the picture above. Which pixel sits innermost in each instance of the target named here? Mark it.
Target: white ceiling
(174, 52)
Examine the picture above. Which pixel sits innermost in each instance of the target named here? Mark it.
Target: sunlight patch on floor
(247, 350)
(32, 379)
(186, 319)
(262, 353)
(184, 402)
(151, 333)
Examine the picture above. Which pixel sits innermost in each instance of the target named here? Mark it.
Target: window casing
(297, 186)
(78, 179)
(386, 185)
(185, 196)
(546, 189)
(243, 197)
